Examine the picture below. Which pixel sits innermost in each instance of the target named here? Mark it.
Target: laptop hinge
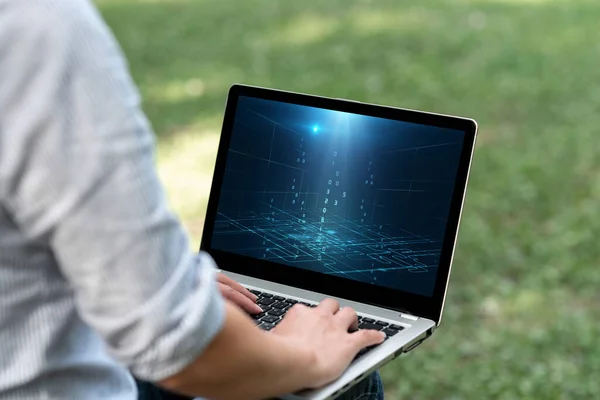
(408, 316)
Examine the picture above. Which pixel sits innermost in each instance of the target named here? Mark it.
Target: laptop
(317, 197)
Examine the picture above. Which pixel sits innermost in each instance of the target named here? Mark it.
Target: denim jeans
(371, 388)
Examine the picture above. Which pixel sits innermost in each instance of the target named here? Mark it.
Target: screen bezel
(419, 305)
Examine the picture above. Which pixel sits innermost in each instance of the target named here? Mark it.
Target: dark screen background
(349, 195)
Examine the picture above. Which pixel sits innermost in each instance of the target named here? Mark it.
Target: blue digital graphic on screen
(348, 195)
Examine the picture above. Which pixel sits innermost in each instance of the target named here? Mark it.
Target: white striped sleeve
(78, 170)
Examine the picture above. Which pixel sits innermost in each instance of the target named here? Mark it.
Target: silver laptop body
(284, 247)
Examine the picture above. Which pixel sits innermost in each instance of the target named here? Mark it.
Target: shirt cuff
(194, 323)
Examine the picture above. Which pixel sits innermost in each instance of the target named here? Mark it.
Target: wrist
(296, 359)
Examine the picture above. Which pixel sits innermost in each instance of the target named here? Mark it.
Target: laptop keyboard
(274, 309)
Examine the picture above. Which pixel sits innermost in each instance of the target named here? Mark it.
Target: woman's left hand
(238, 294)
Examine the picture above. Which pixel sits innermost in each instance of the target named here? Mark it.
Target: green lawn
(522, 318)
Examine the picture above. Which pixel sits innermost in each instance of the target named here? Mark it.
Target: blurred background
(522, 318)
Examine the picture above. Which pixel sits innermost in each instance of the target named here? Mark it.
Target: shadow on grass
(498, 62)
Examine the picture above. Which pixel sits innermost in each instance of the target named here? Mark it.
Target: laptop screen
(348, 195)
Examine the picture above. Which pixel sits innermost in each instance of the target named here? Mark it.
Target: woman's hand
(237, 294)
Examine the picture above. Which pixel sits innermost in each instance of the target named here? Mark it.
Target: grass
(522, 314)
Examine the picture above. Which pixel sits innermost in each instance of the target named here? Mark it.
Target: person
(97, 280)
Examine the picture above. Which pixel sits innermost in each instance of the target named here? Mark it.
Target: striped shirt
(97, 278)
